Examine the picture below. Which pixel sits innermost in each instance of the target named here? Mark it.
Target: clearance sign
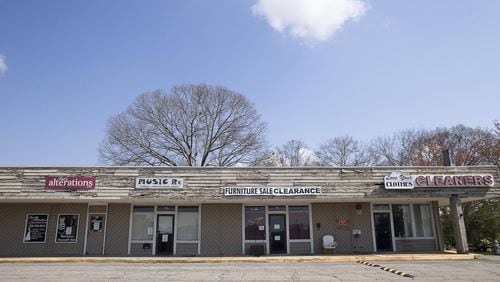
(271, 191)
(401, 181)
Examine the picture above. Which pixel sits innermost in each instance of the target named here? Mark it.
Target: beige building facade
(219, 211)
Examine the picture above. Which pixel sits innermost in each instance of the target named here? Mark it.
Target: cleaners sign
(398, 180)
(454, 181)
(271, 191)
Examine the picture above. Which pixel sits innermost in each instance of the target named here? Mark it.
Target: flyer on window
(36, 228)
(67, 228)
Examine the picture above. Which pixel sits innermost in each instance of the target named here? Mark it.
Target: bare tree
(265, 158)
(394, 150)
(468, 146)
(293, 153)
(496, 150)
(193, 125)
(343, 151)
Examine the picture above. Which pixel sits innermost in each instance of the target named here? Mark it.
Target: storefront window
(276, 208)
(142, 223)
(187, 226)
(165, 208)
(381, 207)
(255, 222)
(67, 228)
(299, 222)
(423, 221)
(402, 220)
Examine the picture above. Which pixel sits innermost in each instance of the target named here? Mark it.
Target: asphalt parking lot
(468, 270)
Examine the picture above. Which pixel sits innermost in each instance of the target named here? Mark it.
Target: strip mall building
(220, 211)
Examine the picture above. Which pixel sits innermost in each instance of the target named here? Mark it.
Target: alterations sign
(271, 191)
(158, 183)
(69, 182)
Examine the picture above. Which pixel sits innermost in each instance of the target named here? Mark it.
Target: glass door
(165, 235)
(383, 234)
(277, 234)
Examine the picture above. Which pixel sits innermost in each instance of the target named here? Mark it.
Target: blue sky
(364, 69)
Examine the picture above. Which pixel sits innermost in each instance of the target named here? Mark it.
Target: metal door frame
(174, 224)
(287, 243)
(105, 214)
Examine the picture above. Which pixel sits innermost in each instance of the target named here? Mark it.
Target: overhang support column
(459, 230)
(439, 227)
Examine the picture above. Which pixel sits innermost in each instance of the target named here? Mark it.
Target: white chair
(329, 244)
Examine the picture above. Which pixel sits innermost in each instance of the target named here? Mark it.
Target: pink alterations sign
(69, 182)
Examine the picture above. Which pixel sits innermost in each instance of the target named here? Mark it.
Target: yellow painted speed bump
(367, 263)
(401, 273)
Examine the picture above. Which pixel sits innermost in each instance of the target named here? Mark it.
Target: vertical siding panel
(364, 243)
(322, 214)
(438, 225)
(231, 229)
(117, 229)
(210, 229)
(342, 233)
(221, 229)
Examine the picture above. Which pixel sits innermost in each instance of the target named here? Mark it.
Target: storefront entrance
(165, 235)
(277, 234)
(95, 234)
(383, 234)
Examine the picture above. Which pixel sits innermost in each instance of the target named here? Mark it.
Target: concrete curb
(245, 259)
(487, 257)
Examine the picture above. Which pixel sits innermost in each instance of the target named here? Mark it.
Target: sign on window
(36, 228)
(67, 228)
(96, 222)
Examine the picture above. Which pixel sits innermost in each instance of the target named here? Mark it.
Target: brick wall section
(248, 245)
(300, 248)
(138, 250)
(420, 245)
(186, 249)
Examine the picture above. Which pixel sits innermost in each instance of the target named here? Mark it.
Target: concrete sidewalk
(262, 259)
